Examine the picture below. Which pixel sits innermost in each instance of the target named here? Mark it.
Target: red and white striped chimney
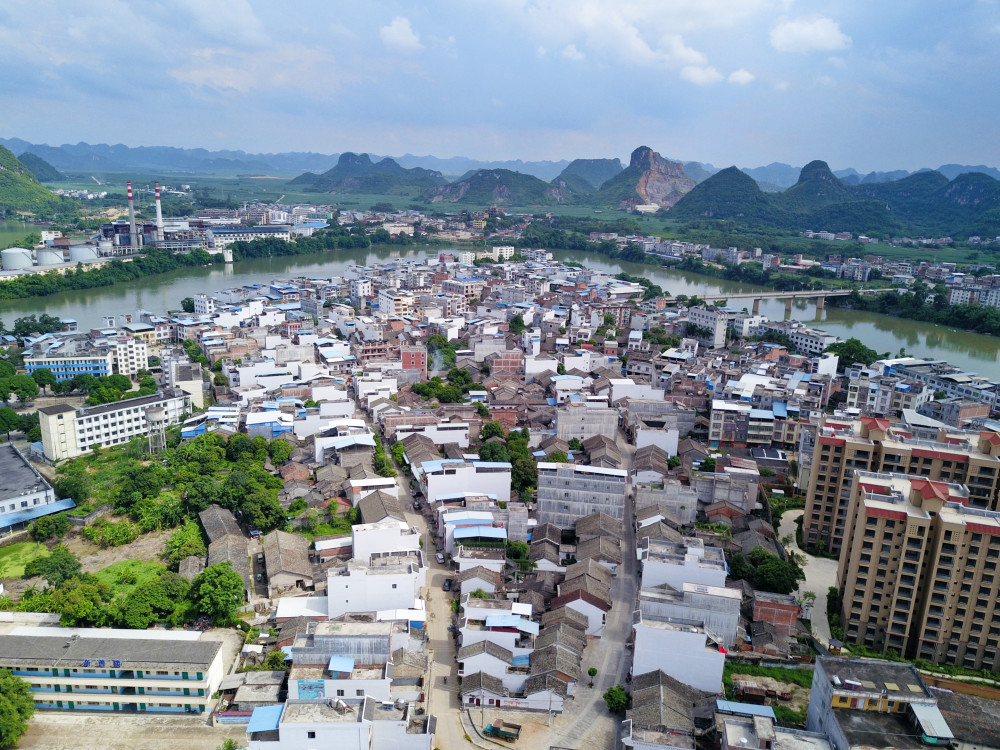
(159, 216)
(133, 240)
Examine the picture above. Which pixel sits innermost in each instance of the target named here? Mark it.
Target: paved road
(821, 574)
(592, 726)
(442, 698)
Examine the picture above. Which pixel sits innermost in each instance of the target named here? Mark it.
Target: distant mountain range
(102, 158)
(926, 202)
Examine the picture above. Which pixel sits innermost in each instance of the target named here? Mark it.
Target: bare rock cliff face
(662, 182)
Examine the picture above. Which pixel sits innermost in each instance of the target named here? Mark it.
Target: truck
(503, 730)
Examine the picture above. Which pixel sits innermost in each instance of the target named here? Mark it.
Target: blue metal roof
(780, 409)
(15, 517)
(265, 719)
(744, 709)
(482, 532)
(341, 664)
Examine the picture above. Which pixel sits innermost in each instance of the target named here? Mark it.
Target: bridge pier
(756, 305)
(788, 307)
(821, 302)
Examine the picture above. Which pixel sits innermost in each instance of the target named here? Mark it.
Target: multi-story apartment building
(870, 444)
(710, 325)
(918, 571)
(567, 493)
(79, 355)
(98, 669)
(68, 432)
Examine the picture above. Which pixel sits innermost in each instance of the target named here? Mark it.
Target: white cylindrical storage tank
(50, 257)
(83, 253)
(106, 247)
(16, 259)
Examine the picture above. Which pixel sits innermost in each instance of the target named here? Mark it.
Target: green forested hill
(501, 186)
(358, 173)
(924, 203)
(43, 171)
(20, 191)
(594, 172)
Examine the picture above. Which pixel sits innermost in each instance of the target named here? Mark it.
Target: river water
(972, 352)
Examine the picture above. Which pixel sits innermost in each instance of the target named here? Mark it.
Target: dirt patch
(800, 695)
(147, 547)
(64, 730)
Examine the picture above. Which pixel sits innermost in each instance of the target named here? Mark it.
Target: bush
(47, 527)
(617, 699)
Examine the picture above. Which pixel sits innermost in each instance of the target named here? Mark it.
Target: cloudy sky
(873, 85)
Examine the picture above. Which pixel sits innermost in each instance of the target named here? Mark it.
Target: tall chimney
(133, 240)
(159, 216)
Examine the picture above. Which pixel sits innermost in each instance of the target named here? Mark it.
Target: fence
(98, 512)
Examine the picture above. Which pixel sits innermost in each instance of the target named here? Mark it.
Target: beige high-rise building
(918, 570)
(843, 446)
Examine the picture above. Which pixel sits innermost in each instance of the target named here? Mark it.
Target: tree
(55, 568)
(24, 387)
(558, 457)
(617, 699)
(575, 444)
(517, 324)
(482, 410)
(279, 451)
(187, 304)
(494, 452)
(491, 430)
(592, 671)
(517, 550)
(185, 542)
(9, 420)
(851, 351)
(560, 369)
(16, 706)
(217, 593)
(44, 377)
(47, 527)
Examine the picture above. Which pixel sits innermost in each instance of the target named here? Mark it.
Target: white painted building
(384, 582)
(369, 539)
(681, 649)
(444, 477)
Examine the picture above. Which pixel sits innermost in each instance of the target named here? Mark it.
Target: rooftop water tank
(16, 259)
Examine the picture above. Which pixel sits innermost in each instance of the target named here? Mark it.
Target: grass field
(14, 557)
(136, 572)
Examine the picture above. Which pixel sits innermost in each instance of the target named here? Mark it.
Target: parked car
(440, 558)
(260, 558)
(447, 584)
(417, 506)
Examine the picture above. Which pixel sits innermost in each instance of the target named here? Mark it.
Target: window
(310, 735)
(359, 693)
(340, 693)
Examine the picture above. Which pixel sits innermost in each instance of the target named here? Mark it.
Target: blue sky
(872, 85)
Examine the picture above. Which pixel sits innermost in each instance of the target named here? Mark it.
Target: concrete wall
(700, 667)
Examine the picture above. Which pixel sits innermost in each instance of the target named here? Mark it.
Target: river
(972, 352)
(14, 231)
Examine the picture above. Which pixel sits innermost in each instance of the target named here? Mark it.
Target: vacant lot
(127, 575)
(14, 557)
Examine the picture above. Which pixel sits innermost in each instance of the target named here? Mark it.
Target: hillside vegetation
(41, 169)
(358, 173)
(20, 191)
(925, 203)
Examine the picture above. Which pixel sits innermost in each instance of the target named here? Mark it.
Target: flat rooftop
(321, 712)
(17, 478)
(873, 729)
(67, 651)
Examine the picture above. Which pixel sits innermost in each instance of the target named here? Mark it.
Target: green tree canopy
(55, 568)
(852, 351)
(217, 593)
(617, 699)
(558, 457)
(16, 706)
(494, 452)
(491, 430)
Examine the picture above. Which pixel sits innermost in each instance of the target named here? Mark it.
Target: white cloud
(741, 76)
(809, 35)
(540, 51)
(570, 52)
(400, 35)
(700, 76)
